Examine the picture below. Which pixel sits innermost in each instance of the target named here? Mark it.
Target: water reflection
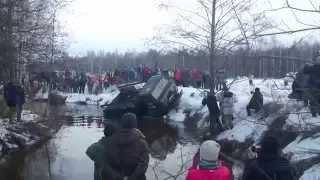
(66, 152)
(161, 137)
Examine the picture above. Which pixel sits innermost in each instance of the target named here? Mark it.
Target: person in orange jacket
(209, 166)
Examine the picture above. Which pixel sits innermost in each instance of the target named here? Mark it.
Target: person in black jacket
(211, 102)
(128, 154)
(269, 164)
(256, 102)
(96, 151)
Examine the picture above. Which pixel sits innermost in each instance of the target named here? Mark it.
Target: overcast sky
(124, 24)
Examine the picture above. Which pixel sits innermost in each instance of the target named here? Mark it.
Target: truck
(155, 98)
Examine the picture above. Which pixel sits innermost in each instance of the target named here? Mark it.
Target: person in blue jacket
(10, 96)
(132, 74)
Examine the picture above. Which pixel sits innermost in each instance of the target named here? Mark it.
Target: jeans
(12, 111)
(19, 112)
(227, 121)
(214, 119)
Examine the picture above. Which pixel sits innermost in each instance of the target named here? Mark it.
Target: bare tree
(26, 33)
(313, 12)
(214, 26)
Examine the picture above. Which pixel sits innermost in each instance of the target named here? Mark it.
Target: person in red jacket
(177, 77)
(196, 78)
(145, 71)
(209, 166)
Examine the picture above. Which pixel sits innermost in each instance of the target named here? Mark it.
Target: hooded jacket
(221, 173)
(268, 167)
(96, 153)
(256, 101)
(128, 156)
(227, 103)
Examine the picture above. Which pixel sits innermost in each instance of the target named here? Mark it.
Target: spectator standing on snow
(269, 164)
(196, 78)
(205, 78)
(250, 77)
(96, 150)
(185, 78)
(209, 166)
(170, 73)
(256, 102)
(90, 83)
(82, 84)
(178, 77)
(221, 79)
(227, 101)
(132, 74)
(128, 156)
(10, 96)
(211, 102)
(20, 101)
(145, 71)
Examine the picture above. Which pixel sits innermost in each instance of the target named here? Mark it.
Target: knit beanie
(269, 145)
(129, 121)
(209, 150)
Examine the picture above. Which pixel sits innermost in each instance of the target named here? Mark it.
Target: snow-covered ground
(12, 135)
(273, 91)
(103, 98)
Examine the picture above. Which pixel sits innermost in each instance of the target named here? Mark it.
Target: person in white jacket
(227, 100)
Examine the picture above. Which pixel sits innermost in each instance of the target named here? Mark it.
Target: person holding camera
(267, 163)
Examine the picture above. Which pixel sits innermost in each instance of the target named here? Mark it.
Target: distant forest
(271, 62)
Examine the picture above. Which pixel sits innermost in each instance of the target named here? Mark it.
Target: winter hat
(129, 121)
(269, 145)
(209, 150)
(257, 89)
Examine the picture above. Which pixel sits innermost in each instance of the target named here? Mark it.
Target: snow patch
(312, 173)
(303, 149)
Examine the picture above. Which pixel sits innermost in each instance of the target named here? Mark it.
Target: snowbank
(99, 99)
(105, 97)
(190, 102)
(301, 149)
(312, 174)
(24, 133)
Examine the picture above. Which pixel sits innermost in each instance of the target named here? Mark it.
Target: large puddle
(64, 158)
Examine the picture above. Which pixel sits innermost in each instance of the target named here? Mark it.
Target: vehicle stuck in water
(155, 98)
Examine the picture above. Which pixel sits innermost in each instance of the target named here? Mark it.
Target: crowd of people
(75, 82)
(123, 154)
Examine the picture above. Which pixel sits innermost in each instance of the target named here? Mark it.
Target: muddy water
(64, 158)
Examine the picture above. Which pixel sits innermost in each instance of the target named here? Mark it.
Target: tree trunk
(212, 45)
